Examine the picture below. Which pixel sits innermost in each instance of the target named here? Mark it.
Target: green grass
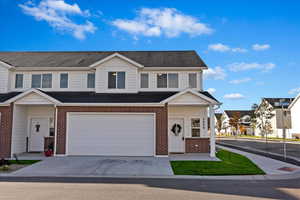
(23, 162)
(230, 164)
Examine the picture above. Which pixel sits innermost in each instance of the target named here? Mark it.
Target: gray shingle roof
(86, 58)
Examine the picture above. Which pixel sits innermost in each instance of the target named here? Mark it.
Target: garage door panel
(111, 134)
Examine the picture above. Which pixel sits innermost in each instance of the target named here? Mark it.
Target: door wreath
(176, 129)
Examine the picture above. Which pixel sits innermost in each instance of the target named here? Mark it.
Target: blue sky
(251, 47)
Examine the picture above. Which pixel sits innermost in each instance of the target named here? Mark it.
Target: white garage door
(110, 134)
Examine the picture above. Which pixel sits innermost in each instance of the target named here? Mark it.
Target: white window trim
(19, 88)
(87, 80)
(167, 80)
(195, 127)
(42, 74)
(188, 80)
(60, 80)
(141, 80)
(116, 80)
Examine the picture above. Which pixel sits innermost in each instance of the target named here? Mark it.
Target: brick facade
(197, 145)
(5, 131)
(161, 124)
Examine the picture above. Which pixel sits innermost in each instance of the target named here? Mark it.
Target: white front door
(176, 136)
(39, 130)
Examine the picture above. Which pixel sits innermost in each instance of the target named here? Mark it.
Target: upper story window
(192, 80)
(41, 81)
(144, 80)
(19, 81)
(64, 80)
(167, 80)
(91, 80)
(116, 80)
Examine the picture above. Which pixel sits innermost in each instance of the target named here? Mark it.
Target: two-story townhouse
(276, 106)
(294, 108)
(124, 103)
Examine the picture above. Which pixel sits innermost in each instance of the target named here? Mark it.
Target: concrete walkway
(268, 165)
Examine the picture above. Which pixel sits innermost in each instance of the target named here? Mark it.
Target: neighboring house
(124, 103)
(243, 121)
(294, 107)
(276, 105)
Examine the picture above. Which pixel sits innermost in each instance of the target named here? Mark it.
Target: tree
(264, 114)
(220, 121)
(234, 121)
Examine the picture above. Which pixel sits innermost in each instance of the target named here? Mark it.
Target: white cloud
(216, 73)
(234, 96)
(294, 91)
(211, 90)
(242, 66)
(225, 48)
(57, 13)
(260, 47)
(238, 81)
(165, 21)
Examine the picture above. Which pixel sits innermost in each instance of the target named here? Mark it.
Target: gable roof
(231, 113)
(275, 102)
(88, 58)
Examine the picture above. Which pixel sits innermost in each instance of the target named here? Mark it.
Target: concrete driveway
(98, 166)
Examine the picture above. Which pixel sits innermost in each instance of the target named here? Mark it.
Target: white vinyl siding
(4, 79)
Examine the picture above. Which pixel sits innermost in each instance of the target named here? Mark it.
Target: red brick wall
(161, 124)
(5, 131)
(197, 145)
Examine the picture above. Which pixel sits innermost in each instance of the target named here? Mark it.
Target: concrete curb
(275, 156)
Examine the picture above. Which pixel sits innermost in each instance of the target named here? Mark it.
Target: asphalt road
(293, 149)
(144, 189)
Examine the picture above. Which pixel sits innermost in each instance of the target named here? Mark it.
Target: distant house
(294, 107)
(276, 105)
(244, 123)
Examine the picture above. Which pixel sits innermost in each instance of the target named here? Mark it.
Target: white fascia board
(116, 55)
(113, 104)
(209, 100)
(54, 101)
(6, 65)
(52, 69)
(173, 68)
(295, 100)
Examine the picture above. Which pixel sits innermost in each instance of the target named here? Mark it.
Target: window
(47, 81)
(19, 81)
(41, 81)
(195, 127)
(64, 79)
(116, 80)
(91, 80)
(167, 80)
(192, 80)
(144, 80)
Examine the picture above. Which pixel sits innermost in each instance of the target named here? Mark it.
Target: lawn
(14, 165)
(230, 164)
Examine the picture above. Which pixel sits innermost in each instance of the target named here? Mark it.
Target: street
(293, 148)
(144, 189)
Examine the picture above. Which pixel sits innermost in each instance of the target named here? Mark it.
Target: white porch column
(212, 131)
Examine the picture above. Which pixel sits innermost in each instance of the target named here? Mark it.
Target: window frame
(87, 80)
(147, 80)
(168, 85)
(196, 80)
(116, 80)
(22, 83)
(41, 80)
(195, 128)
(60, 80)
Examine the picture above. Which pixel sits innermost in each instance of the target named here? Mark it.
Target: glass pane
(121, 80)
(196, 123)
(161, 80)
(173, 80)
(47, 81)
(144, 80)
(112, 77)
(64, 80)
(193, 80)
(91, 81)
(36, 81)
(195, 132)
(19, 81)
